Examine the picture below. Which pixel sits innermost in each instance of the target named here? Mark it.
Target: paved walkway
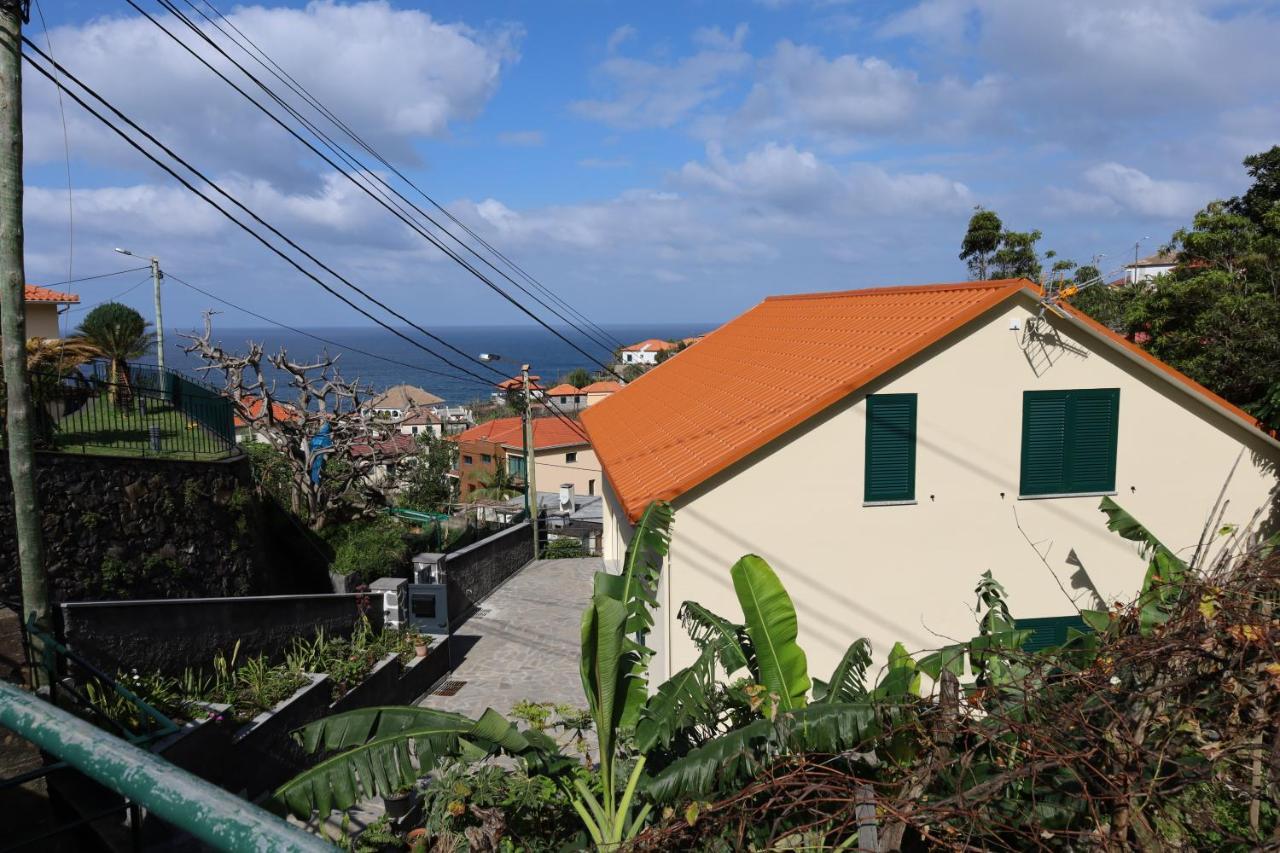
(525, 642)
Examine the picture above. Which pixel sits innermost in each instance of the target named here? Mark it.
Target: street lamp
(156, 275)
(531, 489)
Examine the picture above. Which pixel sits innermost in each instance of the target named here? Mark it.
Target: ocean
(549, 356)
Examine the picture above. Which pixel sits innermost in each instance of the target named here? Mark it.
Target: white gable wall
(908, 572)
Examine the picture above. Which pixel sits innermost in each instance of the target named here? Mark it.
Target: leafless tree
(315, 403)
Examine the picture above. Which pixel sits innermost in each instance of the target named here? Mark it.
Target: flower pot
(420, 649)
(398, 805)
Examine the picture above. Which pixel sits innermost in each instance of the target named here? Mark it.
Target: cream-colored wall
(552, 470)
(907, 572)
(42, 320)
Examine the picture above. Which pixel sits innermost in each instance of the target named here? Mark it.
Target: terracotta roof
(420, 416)
(253, 405)
(515, 383)
(547, 433)
(35, 293)
(564, 389)
(781, 363)
(404, 397)
(1159, 259)
(606, 387)
(652, 345)
(392, 446)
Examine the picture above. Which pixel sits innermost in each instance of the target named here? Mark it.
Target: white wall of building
(907, 573)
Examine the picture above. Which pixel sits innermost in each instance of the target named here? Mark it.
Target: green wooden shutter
(1044, 431)
(891, 448)
(1069, 441)
(1048, 631)
(1093, 419)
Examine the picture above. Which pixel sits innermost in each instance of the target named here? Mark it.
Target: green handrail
(417, 515)
(216, 817)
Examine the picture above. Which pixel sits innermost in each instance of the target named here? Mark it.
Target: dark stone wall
(119, 527)
(477, 570)
(170, 635)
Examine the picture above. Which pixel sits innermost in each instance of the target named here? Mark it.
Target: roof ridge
(989, 284)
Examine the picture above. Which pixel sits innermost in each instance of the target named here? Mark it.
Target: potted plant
(420, 643)
(400, 803)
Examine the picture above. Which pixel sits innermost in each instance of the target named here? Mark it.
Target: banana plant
(385, 749)
(614, 667)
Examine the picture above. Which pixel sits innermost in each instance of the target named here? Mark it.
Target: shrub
(563, 548)
(369, 550)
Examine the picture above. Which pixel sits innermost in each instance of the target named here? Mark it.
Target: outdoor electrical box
(429, 594)
(393, 594)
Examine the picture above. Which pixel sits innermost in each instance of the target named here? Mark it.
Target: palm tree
(120, 335)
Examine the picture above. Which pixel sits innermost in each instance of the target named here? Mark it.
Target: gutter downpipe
(213, 815)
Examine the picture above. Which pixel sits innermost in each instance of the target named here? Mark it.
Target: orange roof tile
(515, 383)
(35, 293)
(564, 389)
(253, 405)
(547, 432)
(606, 387)
(777, 365)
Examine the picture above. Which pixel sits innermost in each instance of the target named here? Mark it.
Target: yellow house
(882, 448)
(41, 305)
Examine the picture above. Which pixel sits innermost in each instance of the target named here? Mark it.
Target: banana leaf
(848, 680)
(770, 617)
(606, 666)
(377, 758)
(733, 758)
(729, 640)
(680, 702)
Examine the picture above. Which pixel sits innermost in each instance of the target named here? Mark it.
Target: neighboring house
(397, 401)
(566, 397)
(646, 352)
(42, 307)
(599, 391)
(454, 419)
(561, 452)
(391, 451)
(516, 383)
(1149, 267)
(421, 422)
(565, 515)
(883, 448)
(245, 434)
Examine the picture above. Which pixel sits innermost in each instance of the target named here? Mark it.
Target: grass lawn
(102, 428)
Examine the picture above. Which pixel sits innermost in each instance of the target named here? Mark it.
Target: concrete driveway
(524, 643)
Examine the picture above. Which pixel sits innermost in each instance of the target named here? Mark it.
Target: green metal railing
(211, 814)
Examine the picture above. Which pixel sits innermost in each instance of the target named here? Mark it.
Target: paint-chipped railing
(209, 813)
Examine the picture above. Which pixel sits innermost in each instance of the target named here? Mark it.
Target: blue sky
(659, 161)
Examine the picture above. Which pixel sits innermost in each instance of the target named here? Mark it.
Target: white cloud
(1134, 190)
(349, 56)
(622, 34)
(523, 138)
(658, 94)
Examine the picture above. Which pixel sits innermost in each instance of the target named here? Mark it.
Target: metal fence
(144, 411)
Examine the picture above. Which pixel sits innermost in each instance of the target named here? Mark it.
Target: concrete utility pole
(156, 277)
(13, 329)
(529, 455)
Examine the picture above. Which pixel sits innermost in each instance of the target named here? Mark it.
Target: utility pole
(530, 452)
(156, 277)
(13, 330)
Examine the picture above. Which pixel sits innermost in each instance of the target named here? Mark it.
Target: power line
(277, 71)
(247, 229)
(379, 197)
(119, 295)
(323, 340)
(93, 277)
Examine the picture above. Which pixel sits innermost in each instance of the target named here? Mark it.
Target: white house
(646, 352)
(1149, 267)
(882, 448)
(397, 401)
(421, 422)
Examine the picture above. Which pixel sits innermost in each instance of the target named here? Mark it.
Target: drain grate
(449, 688)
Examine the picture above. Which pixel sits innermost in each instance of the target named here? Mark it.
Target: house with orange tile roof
(598, 391)
(421, 422)
(645, 352)
(566, 397)
(882, 448)
(42, 307)
(562, 454)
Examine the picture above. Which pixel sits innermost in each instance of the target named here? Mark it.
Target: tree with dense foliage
(120, 335)
(579, 377)
(498, 484)
(981, 241)
(426, 484)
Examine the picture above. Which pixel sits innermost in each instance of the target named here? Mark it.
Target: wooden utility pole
(13, 328)
(530, 459)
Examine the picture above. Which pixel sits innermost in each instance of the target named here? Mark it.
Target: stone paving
(525, 642)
